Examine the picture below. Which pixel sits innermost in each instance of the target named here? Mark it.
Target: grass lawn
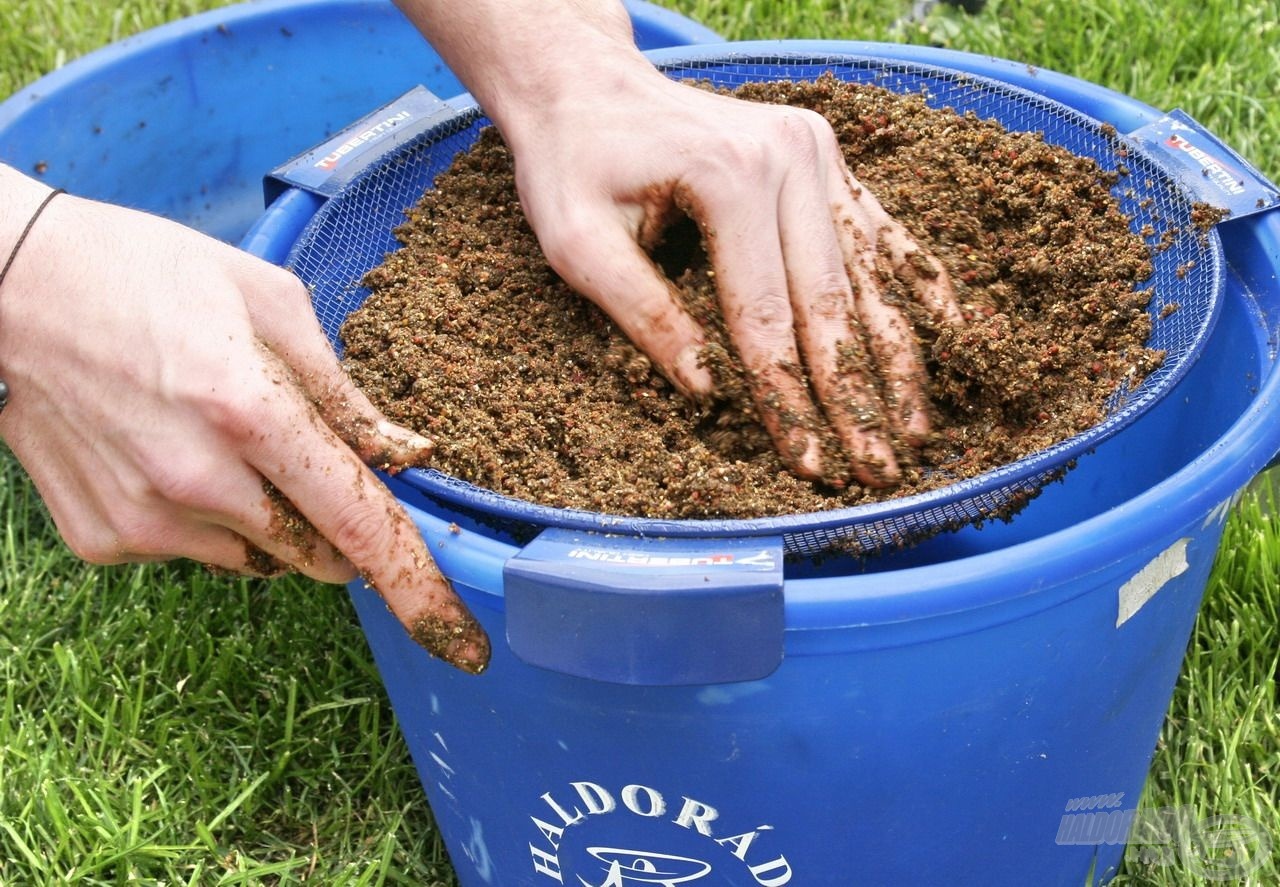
(158, 725)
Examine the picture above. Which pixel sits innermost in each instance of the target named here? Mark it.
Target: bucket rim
(1123, 112)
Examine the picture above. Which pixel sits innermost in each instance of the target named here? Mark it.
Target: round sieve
(352, 232)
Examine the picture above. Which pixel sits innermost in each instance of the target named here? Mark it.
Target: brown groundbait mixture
(529, 390)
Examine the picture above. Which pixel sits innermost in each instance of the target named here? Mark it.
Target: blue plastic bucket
(929, 724)
(928, 717)
(183, 119)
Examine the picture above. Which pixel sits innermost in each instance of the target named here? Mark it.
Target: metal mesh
(353, 231)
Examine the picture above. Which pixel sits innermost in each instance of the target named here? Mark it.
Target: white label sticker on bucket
(1142, 587)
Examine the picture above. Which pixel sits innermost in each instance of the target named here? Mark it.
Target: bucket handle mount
(655, 612)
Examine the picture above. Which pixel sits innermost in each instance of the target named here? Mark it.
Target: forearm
(523, 58)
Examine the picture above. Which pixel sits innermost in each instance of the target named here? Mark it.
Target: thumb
(602, 261)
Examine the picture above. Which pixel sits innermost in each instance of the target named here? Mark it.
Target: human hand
(171, 396)
(608, 151)
(796, 243)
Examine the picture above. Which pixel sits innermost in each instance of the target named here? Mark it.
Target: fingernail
(916, 429)
(876, 466)
(695, 379)
(459, 640)
(812, 458)
(804, 453)
(912, 420)
(410, 439)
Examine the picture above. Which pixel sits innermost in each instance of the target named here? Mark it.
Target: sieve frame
(863, 528)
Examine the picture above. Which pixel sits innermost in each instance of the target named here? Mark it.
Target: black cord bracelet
(13, 254)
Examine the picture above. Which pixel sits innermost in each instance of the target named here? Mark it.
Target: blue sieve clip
(295, 190)
(654, 612)
(325, 168)
(1210, 169)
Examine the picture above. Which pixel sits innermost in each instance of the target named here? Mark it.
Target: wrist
(528, 62)
(564, 100)
(22, 202)
(20, 196)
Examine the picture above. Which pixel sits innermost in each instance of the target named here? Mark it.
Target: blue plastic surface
(646, 611)
(185, 119)
(1220, 176)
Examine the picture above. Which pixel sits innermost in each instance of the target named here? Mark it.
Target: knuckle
(768, 312)
(800, 130)
(784, 138)
(565, 241)
(829, 294)
(824, 136)
(650, 316)
(176, 480)
(281, 282)
(288, 285)
(240, 409)
(122, 534)
(750, 152)
(749, 155)
(134, 536)
(95, 547)
(359, 530)
(811, 118)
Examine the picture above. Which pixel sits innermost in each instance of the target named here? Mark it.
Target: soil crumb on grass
(531, 391)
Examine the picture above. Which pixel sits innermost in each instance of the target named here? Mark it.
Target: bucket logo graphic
(627, 868)
(652, 840)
